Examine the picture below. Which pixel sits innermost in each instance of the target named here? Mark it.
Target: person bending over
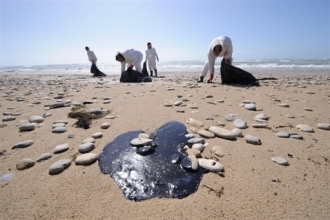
(131, 58)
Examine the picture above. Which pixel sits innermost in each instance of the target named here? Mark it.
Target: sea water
(279, 66)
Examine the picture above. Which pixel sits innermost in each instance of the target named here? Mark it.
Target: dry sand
(253, 186)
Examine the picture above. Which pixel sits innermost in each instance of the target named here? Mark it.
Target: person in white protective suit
(92, 58)
(132, 58)
(219, 47)
(151, 56)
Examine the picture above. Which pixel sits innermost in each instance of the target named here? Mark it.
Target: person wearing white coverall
(93, 59)
(151, 56)
(219, 47)
(132, 58)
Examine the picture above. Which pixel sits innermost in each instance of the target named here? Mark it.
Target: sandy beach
(252, 186)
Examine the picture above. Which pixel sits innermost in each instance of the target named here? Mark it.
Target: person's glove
(129, 68)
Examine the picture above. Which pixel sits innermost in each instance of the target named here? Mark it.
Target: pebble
(205, 133)
(189, 163)
(282, 134)
(61, 148)
(324, 126)
(145, 150)
(280, 161)
(252, 139)
(110, 117)
(229, 117)
(144, 135)
(222, 132)
(58, 125)
(25, 164)
(240, 123)
(7, 176)
(23, 144)
(168, 104)
(177, 103)
(36, 119)
(210, 165)
(296, 136)
(8, 118)
(237, 132)
(195, 122)
(59, 130)
(250, 106)
(88, 140)
(97, 135)
(96, 111)
(259, 125)
(305, 128)
(141, 141)
(44, 156)
(59, 166)
(217, 150)
(289, 116)
(261, 117)
(193, 151)
(283, 105)
(86, 159)
(61, 121)
(86, 147)
(105, 125)
(175, 158)
(196, 140)
(27, 127)
(198, 146)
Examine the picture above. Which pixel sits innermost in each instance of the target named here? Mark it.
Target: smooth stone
(168, 104)
(261, 116)
(289, 116)
(248, 102)
(217, 150)
(205, 133)
(7, 176)
(47, 114)
(44, 156)
(195, 122)
(88, 140)
(259, 125)
(110, 117)
(175, 158)
(194, 151)
(252, 139)
(36, 119)
(105, 125)
(280, 161)
(97, 135)
(222, 132)
(177, 103)
(86, 147)
(196, 140)
(210, 165)
(58, 125)
(145, 150)
(96, 111)
(305, 128)
(25, 164)
(194, 162)
(240, 123)
(189, 163)
(141, 141)
(283, 105)
(23, 144)
(61, 148)
(144, 135)
(59, 166)
(61, 121)
(189, 135)
(8, 118)
(237, 132)
(296, 136)
(250, 106)
(282, 134)
(27, 127)
(229, 118)
(180, 111)
(324, 126)
(86, 159)
(198, 146)
(308, 109)
(58, 130)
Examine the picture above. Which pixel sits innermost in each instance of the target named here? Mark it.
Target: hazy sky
(38, 32)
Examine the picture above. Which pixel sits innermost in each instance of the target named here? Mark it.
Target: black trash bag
(134, 76)
(233, 75)
(144, 69)
(96, 70)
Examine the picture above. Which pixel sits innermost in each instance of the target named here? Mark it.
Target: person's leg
(153, 66)
(138, 63)
(204, 72)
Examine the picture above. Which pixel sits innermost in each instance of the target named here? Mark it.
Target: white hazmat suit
(132, 57)
(227, 51)
(151, 56)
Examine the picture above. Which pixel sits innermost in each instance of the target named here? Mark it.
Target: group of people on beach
(131, 58)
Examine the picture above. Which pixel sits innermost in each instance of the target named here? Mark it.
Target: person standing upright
(219, 47)
(151, 56)
(92, 58)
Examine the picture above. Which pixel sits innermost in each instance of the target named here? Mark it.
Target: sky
(41, 32)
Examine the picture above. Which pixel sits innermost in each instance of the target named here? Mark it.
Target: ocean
(274, 66)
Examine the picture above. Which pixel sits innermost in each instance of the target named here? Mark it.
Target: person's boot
(201, 79)
(211, 78)
(156, 73)
(151, 73)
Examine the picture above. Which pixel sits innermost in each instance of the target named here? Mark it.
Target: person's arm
(156, 55)
(123, 64)
(211, 59)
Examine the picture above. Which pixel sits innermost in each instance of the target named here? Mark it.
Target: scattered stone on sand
(168, 104)
(97, 135)
(7, 176)
(25, 164)
(210, 165)
(282, 134)
(222, 132)
(58, 125)
(9, 118)
(144, 135)
(61, 148)
(305, 128)
(105, 125)
(240, 123)
(252, 139)
(193, 151)
(324, 126)
(217, 150)
(250, 106)
(88, 140)
(283, 105)
(110, 117)
(195, 122)
(259, 125)
(27, 127)
(178, 103)
(96, 111)
(36, 119)
(198, 146)
(86, 147)
(205, 134)
(86, 159)
(44, 157)
(280, 161)
(261, 117)
(58, 130)
(237, 132)
(23, 144)
(289, 116)
(145, 150)
(141, 141)
(308, 109)
(196, 140)
(230, 117)
(296, 136)
(59, 166)
(61, 121)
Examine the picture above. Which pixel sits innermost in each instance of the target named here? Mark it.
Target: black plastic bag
(96, 70)
(134, 76)
(233, 75)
